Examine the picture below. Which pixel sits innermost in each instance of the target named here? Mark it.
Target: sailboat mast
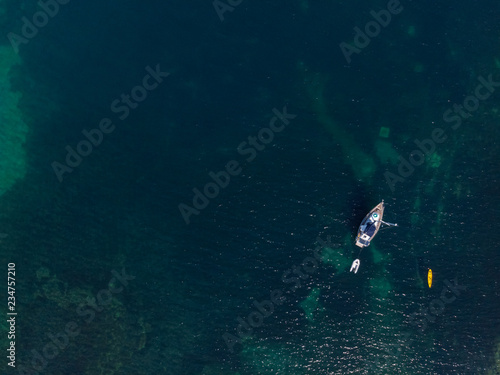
(389, 224)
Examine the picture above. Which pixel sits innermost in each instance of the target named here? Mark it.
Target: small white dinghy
(355, 266)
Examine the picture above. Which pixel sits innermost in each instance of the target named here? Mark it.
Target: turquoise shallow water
(308, 141)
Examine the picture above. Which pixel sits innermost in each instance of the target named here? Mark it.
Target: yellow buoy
(429, 277)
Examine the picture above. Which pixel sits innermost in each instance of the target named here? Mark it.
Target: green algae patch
(436, 228)
(109, 334)
(384, 132)
(385, 152)
(495, 369)
(335, 258)
(460, 189)
(414, 218)
(411, 31)
(217, 370)
(497, 63)
(435, 160)
(429, 187)
(417, 204)
(311, 304)
(363, 165)
(13, 130)
(52, 289)
(418, 68)
(379, 257)
(42, 273)
(380, 287)
(265, 358)
(304, 5)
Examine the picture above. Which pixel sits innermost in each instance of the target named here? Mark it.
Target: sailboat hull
(370, 226)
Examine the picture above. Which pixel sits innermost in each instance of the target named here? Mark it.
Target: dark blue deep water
(181, 184)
